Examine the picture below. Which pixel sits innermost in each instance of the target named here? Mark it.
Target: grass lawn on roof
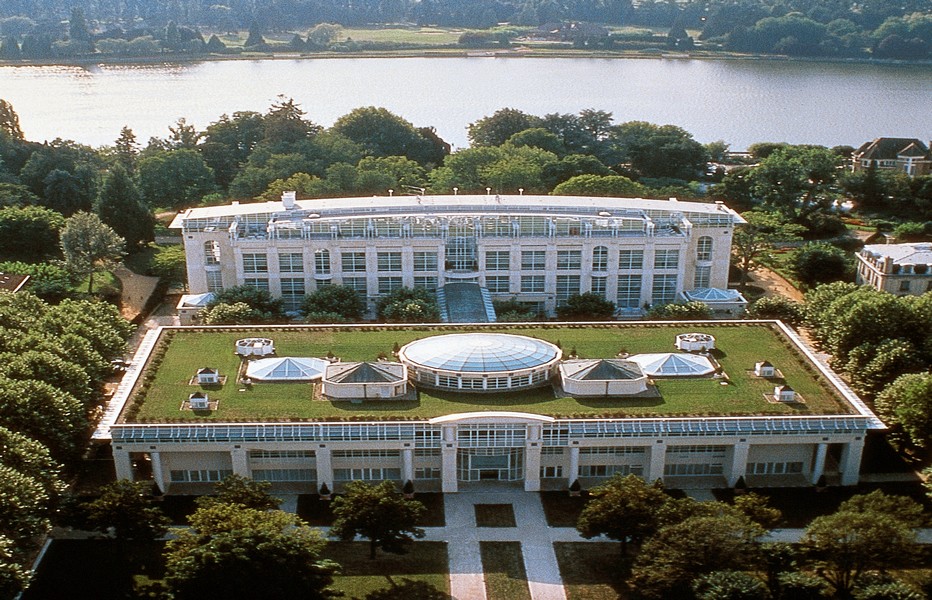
(738, 348)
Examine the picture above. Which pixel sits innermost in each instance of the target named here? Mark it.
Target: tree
(599, 185)
(13, 576)
(242, 491)
(379, 513)
(174, 178)
(658, 150)
(169, 264)
(763, 231)
(626, 509)
(801, 586)
(588, 306)
(495, 130)
(90, 246)
(31, 231)
(846, 545)
(730, 585)
(322, 35)
(382, 134)
(126, 149)
(50, 416)
(255, 36)
(54, 370)
(408, 589)
(12, 194)
(128, 510)
(24, 506)
(818, 262)
(120, 206)
(339, 300)
(32, 459)
(235, 313)
(259, 300)
(796, 180)
(9, 121)
(777, 307)
(231, 551)
(757, 508)
(907, 405)
(904, 509)
(408, 305)
(688, 311)
(889, 590)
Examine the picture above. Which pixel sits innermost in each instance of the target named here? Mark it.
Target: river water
(739, 101)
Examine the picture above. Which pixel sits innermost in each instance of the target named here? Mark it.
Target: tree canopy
(379, 513)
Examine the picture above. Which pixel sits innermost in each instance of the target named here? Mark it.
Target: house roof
(286, 368)
(917, 253)
(602, 369)
(884, 148)
(365, 372)
(206, 371)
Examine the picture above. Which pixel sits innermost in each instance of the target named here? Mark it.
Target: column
(122, 464)
(818, 465)
(532, 467)
(572, 473)
(240, 462)
(739, 462)
(851, 461)
(448, 454)
(407, 464)
(657, 458)
(324, 467)
(158, 475)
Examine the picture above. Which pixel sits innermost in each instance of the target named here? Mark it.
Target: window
(629, 291)
(497, 284)
(693, 469)
(322, 262)
(260, 283)
(532, 284)
(200, 475)
(284, 474)
(904, 286)
(567, 285)
(425, 283)
(551, 472)
(630, 259)
(292, 293)
(664, 290)
(703, 276)
(291, 263)
(255, 263)
(569, 260)
(370, 474)
(600, 258)
(426, 473)
(599, 286)
(357, 283)
(666, 259)
(497, 260)
(387, 285)
(704, 248)
(366, 453)
(425, 261)
(775, 468)
(353, 262)
(533, 260)
(211, 253)
(389, 261)
(214, 281)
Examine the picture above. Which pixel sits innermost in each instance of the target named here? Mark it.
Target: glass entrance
(490, 464)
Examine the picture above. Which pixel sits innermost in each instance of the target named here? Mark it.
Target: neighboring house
(907, 155)
(897, 268)
(12, 283)
(538, 250)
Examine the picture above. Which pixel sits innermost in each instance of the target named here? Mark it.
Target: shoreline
(449, 53)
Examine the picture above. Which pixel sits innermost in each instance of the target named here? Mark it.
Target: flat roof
(739, 346)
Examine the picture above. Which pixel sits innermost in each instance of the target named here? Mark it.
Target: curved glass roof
(479, 352)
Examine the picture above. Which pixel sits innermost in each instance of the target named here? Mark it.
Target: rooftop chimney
(288, 199)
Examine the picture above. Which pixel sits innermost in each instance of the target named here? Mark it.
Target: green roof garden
(166, 383)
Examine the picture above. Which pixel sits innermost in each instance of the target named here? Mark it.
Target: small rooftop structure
(286, 368)
(365, 380)
(208, 376)
(602, 377)
(764, 369)
(671, 364)
(11, 282)
(721, 302)
(255, 347)
(189, 306)
(784, 393)
(198, 401)
(695, 342)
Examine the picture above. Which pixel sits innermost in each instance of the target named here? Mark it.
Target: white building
(539, 250)
(900, 269)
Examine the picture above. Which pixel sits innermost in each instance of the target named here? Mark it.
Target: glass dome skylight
(479, 353)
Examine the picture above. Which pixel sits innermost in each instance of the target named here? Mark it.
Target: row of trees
(53, 362)
(682, 548)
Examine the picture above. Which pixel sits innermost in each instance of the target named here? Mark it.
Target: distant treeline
(838, 28)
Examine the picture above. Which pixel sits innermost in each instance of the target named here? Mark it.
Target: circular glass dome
(480, 361)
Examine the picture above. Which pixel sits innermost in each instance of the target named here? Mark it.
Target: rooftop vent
(288, 199)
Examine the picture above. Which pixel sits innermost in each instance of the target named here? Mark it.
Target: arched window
(211, 252)
(600, 258)
(704, 248)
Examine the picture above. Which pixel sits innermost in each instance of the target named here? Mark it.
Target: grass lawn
(739, 347)
(425, 562)
(503, 565)
(495, 515)
(317, 512)
(102, 282)
(590, 570)
(561, 510)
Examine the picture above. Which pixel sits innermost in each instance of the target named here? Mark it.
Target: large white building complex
(538, 250)
(454, 407)
(901, 269)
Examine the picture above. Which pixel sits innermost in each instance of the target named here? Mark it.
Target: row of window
(366, 474)
(199, 475)
(366, 453)
(276, 454)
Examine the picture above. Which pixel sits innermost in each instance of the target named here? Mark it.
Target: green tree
(126, 149)
(818, 262)
(242, 491)
(626, 509)
(688, 311)
(408, 305)
(45, 366)
(339, 300)
(255, 36)
(32, 459)
(90, 246)
(757, 508)
(763, 231)
(659, 150)
(538, 137)
(872, 367)
(257, 299)
(30, 232)
(904, 509)
(24, 506)
(231, 313)
(231, 551)
(12, 194)
(379, 513)
(599, 185)
(120, 206)
(128, 510)
(847, 545)
(381, 134)
(174, 178)
(730, 585)
(777, 307)
(796, 181)
(907, 405)
(495, 130)
(801, 586)
(13, 575)
(890, 590)
(168, 264)
(9, 121)
(285, 125)
(50, 416)
(588, 306)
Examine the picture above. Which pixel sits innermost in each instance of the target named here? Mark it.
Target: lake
(739, 101)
